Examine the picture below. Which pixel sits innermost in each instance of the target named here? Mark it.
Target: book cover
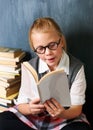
(5, 104)
(10, 70)
(9, 52)
(53, 85)
(8, 101)
(14, 65)
(12, 96)
(18, 58)
(6, 92)
(6, 62)
(4, 101)
(10, 80)
(9, 75)
(9, 67)
(9, 84)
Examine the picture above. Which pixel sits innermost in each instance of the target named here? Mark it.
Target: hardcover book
(12, 60)
(9, 52)
(6, 92)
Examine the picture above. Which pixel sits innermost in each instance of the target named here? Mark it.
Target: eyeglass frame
(48, 46)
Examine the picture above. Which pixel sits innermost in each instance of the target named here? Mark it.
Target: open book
(52, 85)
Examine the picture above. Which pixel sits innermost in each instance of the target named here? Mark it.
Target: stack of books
(10, 74)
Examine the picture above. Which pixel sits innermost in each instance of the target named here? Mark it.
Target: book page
(32, 70)
(55, 86)
(30, 81)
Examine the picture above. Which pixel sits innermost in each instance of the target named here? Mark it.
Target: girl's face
(51, 57)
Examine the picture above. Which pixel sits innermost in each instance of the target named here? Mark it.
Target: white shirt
(77, 91)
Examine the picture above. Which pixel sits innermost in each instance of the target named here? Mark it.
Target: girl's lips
(51, 59)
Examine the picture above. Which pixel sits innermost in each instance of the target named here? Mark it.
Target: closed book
(5, 104)
(9, 84)
(9, 80)
(3, 101)
(16, 65)
(6, 92)
(9, 101)
(9, 52)
(9, 68)
(9, 75)
(3, 61)
(16, 59)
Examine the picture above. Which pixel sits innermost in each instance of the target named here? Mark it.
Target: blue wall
(16, 16)
(74, 16)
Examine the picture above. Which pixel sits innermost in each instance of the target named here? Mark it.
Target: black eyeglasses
(51, 46)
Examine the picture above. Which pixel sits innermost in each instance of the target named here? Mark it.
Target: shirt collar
(63, 64)
(43, 66)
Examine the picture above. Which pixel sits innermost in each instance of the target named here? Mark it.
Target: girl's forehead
(47, 33)
(44, 37)
(45, 30)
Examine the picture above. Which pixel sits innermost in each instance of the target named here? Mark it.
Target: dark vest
(74, 66)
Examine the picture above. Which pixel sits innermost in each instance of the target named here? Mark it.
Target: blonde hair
(45, 25)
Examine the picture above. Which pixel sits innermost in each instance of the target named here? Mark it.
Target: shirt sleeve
(78, 88)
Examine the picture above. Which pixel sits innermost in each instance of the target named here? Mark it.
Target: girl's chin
(51, 64)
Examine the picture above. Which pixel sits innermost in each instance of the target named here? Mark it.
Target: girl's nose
(47, 51)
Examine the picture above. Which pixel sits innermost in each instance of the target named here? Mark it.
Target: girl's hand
(36, 107)
(54, 108)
